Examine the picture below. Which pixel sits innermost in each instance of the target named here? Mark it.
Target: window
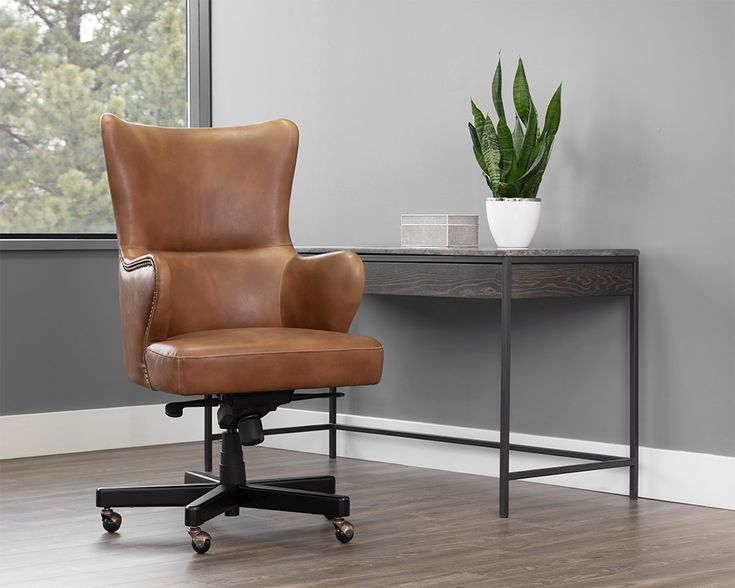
(62, 64)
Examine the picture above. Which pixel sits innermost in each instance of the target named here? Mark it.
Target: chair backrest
(205, 214)
(200, 189)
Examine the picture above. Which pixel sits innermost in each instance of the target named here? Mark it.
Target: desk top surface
(477, 251)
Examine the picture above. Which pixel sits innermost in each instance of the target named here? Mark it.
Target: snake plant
(514, 163)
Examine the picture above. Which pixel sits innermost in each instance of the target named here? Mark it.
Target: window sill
(52, 244)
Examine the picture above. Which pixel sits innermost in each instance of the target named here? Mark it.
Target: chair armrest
(322, 291)
(143, 285)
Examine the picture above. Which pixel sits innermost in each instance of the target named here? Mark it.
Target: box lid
(440, 219)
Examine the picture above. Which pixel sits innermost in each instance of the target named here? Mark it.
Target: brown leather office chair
(215, 301)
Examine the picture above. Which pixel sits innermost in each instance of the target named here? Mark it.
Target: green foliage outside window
(62, 64)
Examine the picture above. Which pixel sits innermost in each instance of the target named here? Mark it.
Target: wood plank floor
(414, 527)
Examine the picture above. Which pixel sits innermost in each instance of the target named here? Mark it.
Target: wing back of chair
(200, 189)
(202, 223)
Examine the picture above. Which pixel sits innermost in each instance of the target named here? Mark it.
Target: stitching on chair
(150, 322)
(131, 268)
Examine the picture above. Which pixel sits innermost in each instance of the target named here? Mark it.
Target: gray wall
(60, 342)
(644, 158)
(379, 88)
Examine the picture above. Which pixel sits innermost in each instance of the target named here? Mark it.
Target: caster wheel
(201, 541)
(111, 520)
(343, 530)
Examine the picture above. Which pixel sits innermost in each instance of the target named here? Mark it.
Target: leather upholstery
(253, 359)
(200, 189)
(214, 298)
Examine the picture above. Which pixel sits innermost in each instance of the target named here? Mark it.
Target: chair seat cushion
(258, 359)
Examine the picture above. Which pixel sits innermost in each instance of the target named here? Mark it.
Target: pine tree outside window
(62, 64)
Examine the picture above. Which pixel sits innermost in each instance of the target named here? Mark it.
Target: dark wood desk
(507, 275)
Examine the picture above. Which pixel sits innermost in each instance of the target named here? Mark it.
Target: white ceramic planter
(513, 221)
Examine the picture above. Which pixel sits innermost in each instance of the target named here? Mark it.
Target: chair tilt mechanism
(216, 302)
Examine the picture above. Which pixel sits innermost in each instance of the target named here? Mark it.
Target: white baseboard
(677, 476)
(72, 431)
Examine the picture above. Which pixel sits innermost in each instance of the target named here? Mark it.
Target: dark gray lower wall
(60, 348)
(60, 343)
(443, 365)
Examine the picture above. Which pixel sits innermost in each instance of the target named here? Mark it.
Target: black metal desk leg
(505, 302)
(332, 421)
(633, 490)
(207, 438)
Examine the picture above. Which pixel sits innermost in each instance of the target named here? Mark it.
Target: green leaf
(521, 94)
(518, 137)
(531, 185)
(491, 152)
(479, 118)
(480, 161)
(553, 114)
(506, 190)
(477, 149)
(505, 141)
(474, 136)
(527, 149)
(551, 124)
(505, 138)
(498, 91)
(537, 162)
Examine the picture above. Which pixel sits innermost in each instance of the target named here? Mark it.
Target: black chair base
(205, 496)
